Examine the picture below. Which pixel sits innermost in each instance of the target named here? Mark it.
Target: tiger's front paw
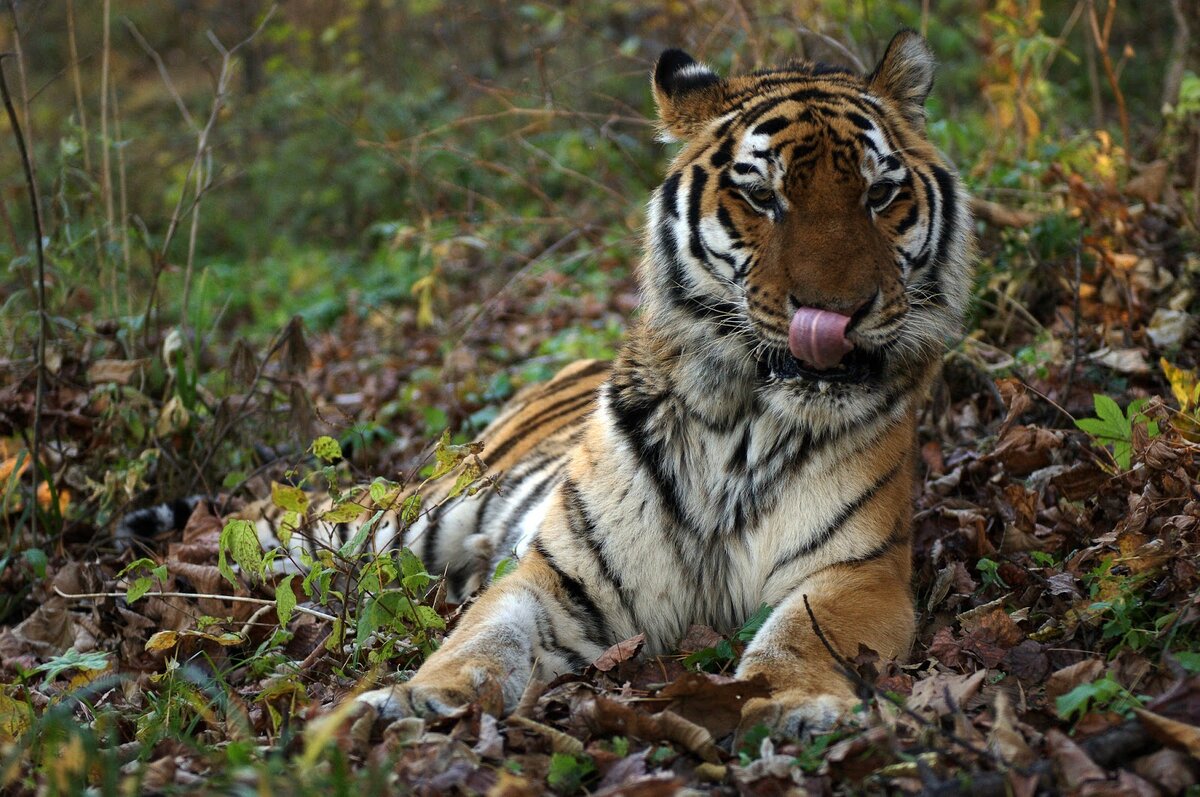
(434, 697)
(794, 712)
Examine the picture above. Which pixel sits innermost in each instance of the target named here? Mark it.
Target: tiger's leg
(524, 626)
(866, 602)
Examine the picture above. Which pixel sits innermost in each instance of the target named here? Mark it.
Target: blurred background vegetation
(386, 169)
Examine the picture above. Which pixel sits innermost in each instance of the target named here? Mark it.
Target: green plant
(1103, 694)
(1111, 427)
(568, 773)
(726, 652)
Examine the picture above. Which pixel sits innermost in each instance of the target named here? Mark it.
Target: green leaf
(1107, 410)
(345, 512)
(241, 541)
(410, 510)
(287, 497)
(469, 474)
(1098, 428)
(384, 492)
(285, 599)
(428, 618)
(36, 559)
(503, 568)
(753, 623)
(327, 449)
(138, 588)
(355, 543)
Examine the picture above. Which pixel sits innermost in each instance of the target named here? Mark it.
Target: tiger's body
(719, 468)
(736, 452)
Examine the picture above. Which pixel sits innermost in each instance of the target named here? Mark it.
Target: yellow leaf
(1184, 385)
(162, 640)
(15, 718)
(44, 498)
(342, 513)
(287, 497)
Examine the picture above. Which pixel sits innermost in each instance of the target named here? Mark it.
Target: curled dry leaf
(1072, 763)
(559, 741)
(712, 701)
(1173, 733)
(1081, 672)
(622, 651)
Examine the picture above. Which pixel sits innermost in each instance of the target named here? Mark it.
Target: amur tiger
(806, 258)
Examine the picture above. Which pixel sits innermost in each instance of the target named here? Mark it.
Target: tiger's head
(808, 219)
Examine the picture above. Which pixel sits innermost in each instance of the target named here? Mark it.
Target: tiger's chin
(860, 367)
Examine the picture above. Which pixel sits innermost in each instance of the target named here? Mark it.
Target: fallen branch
(998, 215)
(234, 598)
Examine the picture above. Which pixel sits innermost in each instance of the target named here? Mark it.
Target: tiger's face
(810, 219)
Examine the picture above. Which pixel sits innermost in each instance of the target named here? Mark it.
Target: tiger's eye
(762, 195)
(880, 193)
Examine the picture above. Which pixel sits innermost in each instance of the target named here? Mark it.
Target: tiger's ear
(688, 95)
(906, 74)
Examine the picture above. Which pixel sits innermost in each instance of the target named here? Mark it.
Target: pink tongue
(818, 337)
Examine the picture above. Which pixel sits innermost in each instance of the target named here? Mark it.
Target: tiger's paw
(796, 712)
(432, 698)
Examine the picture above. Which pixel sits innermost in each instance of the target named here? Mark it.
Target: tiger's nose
(854, 308)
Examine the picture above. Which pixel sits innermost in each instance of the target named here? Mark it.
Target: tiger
(806, 258)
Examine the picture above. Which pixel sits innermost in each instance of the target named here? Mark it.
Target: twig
(43, 324)
(233, 598)
(105, 165)
(854, 60)
(1101, 35)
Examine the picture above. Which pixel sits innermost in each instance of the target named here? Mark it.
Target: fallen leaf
(1171, 732)
(1064, 680)
(1072, 764)
(120, 372)
(712, 701)
(162, 640)
(622, 651)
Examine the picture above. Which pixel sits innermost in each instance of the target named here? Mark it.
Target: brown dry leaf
(1071, 763)
(1171, 732)
(1150, 182)
(162, 640)
(120, 372)
(1169, 769)
(49, 631)
(509, 785)
(930, 694)
(698, 637)
(605, 716)
(1004, 739)
(559, 741)
(995, 624)
(622, 651)
(1081, 672)
(712, 701)
(1124, 361)
(664, 785)
(1024, 449)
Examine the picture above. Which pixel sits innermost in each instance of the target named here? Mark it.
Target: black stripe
(583, 527)
(843, 516)
(631, 418)
(670, 193)
(513, 520)
(900, 535)
(592, 619)
(548, 638)
(534, 425)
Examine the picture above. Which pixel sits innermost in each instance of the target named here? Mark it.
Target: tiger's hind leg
(524, 626)
(861, 602)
